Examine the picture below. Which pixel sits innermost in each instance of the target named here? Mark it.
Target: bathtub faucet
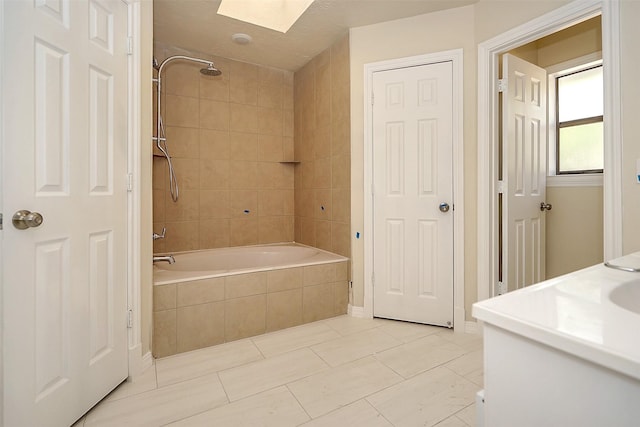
(169, 258)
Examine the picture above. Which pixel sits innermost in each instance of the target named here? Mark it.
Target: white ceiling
(195, 26)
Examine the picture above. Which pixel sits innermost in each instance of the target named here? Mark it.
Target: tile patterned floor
(343, 371)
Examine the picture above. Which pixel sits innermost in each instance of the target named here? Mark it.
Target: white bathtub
(196, 265)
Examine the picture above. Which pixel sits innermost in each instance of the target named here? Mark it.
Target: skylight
(277, 15)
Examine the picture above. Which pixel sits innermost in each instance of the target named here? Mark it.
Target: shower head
(210, 70)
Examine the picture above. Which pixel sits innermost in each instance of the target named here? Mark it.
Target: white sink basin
(627, 296)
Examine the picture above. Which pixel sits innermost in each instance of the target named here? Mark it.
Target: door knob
(545, 207)
(24, 219)
(444, 207)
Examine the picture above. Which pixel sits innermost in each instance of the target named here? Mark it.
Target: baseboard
(137, 363)
(355, 311)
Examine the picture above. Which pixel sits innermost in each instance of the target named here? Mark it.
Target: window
(579, 121)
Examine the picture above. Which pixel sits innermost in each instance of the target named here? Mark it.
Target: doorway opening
(489, 54)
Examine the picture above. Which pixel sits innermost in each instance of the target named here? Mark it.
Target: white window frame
(553, 72)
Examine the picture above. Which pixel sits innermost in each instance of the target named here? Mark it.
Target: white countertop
(574, 313)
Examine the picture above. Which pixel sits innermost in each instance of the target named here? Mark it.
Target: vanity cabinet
(562, 353)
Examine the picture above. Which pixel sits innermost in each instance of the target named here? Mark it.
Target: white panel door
(412, 176)
(524, 172)
(64, 156)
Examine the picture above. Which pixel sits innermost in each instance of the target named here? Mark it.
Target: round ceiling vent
(241, 38)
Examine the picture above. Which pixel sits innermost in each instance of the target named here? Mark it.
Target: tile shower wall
(227, 136)
(322, 145)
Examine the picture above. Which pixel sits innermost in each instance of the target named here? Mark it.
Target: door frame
(488, 129)
(456, 58)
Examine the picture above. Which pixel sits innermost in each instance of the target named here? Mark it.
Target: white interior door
(64, 156)
(524, 133)
(412, 176)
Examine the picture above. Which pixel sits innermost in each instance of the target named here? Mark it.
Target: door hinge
(500, 187)
(129, 45)
(502, 85)
(372, 98)
(501, 288)
(130, 319)
(0, 221)
(130, 182)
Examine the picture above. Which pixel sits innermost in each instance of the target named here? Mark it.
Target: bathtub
(195, 265)
(214, 296)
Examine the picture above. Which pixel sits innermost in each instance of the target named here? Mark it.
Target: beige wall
(227, 136)
(574, 42)
(436, 32)
(573, 229)
(322, 126)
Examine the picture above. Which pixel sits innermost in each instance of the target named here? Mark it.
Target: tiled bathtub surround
(227, 136)
(323, 147)
(197, 314)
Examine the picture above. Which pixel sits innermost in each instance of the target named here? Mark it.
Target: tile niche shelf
(289, 162)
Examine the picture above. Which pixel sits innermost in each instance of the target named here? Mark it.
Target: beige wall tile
(183, 142)
(317, 302)
(164, 297)
(214, 233)
(287, 95)
(323, 235)
(214, 174)
(322, 173)
(243, 92)
(242, 285)
(158, 205)
(214, 115)
(243, 175)
(270, 121)
(340, 238)
(214, 204)
(341, 205)
(318, 274)
(341, 171)
(200, 291)
(160, 180)
(243, 72)
(270, 96)
(271, 76)
(214, 144)
(340, 137)
(181, 78)
(289, 207)
(340, 297)
(273, 229)
(288, 149)
(271, 202)
(284, 279)
(284, 309)
(200, 326)
(322, 142)
(164, 333)
(244, 204)
(323, 202)
(270, 148)
(342, 271)
(244, 146)
(243, 231)
(340, 107)
(269, 175)
(323, 96)
(187, 173)
(307, 231)
(187, 208)
(182, 111)
(182, 236)
(216, 88)
(244, 118)
(245, 317)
